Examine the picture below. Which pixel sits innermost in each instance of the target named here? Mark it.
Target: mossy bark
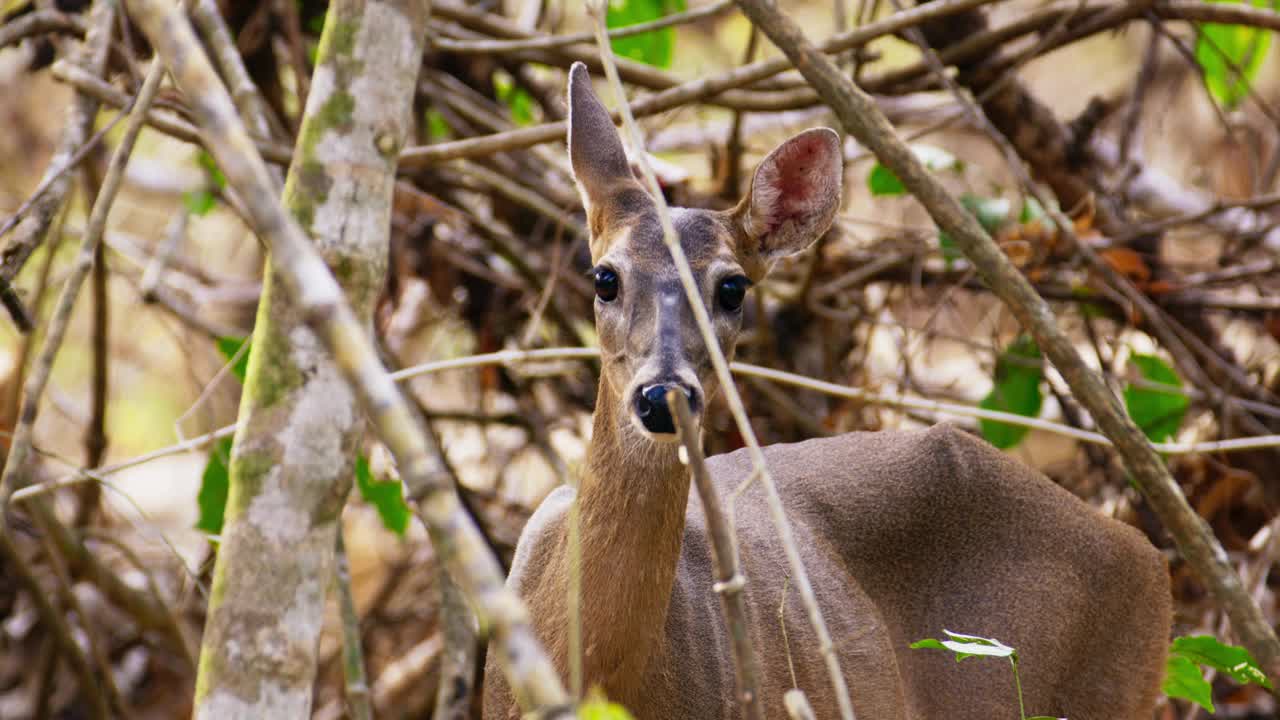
(300, 424)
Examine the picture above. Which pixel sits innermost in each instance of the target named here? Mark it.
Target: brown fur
(902, 534)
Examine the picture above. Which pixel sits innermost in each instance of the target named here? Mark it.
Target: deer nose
(651, 407)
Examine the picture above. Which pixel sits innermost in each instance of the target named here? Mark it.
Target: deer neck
(632, 496)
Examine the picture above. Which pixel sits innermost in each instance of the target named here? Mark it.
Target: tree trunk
(301, 425)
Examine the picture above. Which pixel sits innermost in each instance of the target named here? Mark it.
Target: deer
(903, 533)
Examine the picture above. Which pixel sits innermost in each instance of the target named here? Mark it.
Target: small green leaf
(992, 214)
(656, 47)
(214, 485)
(384, 495)
(1016, 390)
(1182, 679)
(1032, 211)
(967, 646)
(1231, 56)
(199, 202)
(1158, 412)
(210, 166)
(437, 126)
(882, 181)
(950, 253)
(1230, 659)
(928, 644)
(228, 347)
(518, 102)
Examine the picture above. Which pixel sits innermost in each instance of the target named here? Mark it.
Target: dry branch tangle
(304, 276)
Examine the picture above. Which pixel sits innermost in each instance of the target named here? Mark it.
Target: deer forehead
(635, 243)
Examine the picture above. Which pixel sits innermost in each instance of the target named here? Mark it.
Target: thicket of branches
(1142, 209)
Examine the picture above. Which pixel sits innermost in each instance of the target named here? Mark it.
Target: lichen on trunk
(300, 425)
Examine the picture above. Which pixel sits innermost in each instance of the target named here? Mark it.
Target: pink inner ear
(792, 183)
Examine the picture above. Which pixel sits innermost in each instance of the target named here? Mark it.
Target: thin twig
(548, 42)
(41, 22)
(66, 592)
(353, 672)
(174, 237)
(729, 579)
(15, 470)
(95, 436)
(679, 95)
(54, 623)
(248, 99)
(165, 122)
(740, 368)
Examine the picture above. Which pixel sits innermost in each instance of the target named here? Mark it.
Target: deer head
(649, 339)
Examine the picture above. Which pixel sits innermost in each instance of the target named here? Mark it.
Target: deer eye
(606, 284)
(731, 292)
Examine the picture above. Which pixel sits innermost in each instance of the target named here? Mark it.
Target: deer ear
(794, 195)
(595, 152)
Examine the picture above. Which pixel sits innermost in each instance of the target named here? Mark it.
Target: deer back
(909, 533)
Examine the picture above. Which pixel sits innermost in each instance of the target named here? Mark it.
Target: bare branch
(729, 580)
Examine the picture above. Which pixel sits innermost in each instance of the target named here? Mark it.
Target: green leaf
(1033, 211)
(214, 484)
(210, 166)
(1017, 390)
(437, 126)
(518, 102)
(228, 347)
(199, 202)
(384, 495)
(992, 214)
(1182, 679)
(1158, 412)
(656, 47)
(882, 181)
(967, 646)
(1231, 56)
(1229, 659)
(928, 644)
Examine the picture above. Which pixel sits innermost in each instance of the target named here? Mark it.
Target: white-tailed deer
(903, 533)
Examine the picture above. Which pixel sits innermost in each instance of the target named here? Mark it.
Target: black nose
(651, 407)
